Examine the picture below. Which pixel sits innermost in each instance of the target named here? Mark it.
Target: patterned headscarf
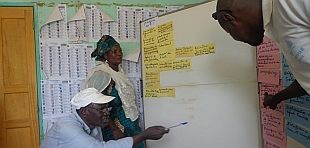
(103, 46)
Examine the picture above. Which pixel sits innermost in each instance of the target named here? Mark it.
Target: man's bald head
(225, 4)
(242, 19)
(236, 5)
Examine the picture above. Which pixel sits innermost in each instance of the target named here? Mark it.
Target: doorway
(18, 88)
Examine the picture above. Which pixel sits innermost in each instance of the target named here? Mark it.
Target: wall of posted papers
(291, 119)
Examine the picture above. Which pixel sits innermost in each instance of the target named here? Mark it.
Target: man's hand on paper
(270, 101)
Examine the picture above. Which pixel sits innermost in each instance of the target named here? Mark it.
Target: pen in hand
(183, 123)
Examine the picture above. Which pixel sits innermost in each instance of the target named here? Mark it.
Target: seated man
(82, 129)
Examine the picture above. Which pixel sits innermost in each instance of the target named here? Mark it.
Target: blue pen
(183, 123)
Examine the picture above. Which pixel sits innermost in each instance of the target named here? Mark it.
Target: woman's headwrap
(103, 46)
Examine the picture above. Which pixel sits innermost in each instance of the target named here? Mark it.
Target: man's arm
(151, 133)
(294, 90)
(71, 134)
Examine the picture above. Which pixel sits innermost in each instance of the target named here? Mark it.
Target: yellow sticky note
(165, 66)
(151, 93)
(211, 47)
(184, 51)
(149, 42)
(152, 80)
(167, 54)
(166, 27)
(165, 42)
(151, 56)
(182, 64)
(149, 45)
(201, 50)
(166, 48)
(204, 49)
(150, 33)
(151, 66)
(166, 92)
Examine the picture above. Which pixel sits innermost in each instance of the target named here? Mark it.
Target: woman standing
(109, 78)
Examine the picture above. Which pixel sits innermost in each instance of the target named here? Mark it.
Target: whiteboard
(217, 96)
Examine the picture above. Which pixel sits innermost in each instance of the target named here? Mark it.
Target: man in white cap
(82, 129)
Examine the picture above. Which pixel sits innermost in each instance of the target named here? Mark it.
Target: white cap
(89, 95)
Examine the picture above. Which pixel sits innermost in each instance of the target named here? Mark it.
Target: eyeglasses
(104, 110)
(215, 14)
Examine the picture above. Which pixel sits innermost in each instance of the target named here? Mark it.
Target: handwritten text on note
(303, 101)
(298, 133)
(267, 47)
(269, 76)
(272, 119)
(269, 61)
(298, 115)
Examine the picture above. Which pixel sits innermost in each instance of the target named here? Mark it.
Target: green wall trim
(38, 69)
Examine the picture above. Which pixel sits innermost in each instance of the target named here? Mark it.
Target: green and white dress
(124, 110)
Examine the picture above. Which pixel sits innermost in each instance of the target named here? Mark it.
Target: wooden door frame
(37, 55)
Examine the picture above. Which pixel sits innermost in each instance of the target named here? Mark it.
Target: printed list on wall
(129, 19)
(161, 54)
(64, 66)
